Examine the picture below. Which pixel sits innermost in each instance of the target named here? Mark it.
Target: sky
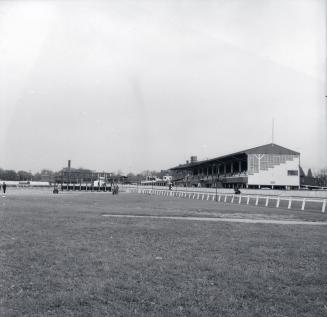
(143, 85)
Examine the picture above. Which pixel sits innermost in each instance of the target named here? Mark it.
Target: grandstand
(267, 166)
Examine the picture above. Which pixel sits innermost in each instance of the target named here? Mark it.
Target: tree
(321, 177)
(37, 177)
(119, 172)
(24, 176)
(309, 174)
(9, 175)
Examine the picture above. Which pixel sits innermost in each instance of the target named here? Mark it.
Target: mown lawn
(60, 257)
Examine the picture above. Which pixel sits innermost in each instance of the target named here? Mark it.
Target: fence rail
(321, 194)
(248, 199)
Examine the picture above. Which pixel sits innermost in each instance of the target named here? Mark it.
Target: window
(292, 173)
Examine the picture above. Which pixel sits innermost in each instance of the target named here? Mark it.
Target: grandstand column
(231, 168)
(239, 166)
(225, 169)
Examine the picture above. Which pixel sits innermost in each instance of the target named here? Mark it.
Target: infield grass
(60, 257)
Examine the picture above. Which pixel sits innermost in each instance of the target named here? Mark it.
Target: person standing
(4, 187)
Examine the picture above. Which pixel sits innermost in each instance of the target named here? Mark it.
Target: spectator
(4, 187)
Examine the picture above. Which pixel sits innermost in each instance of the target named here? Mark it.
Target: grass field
(60, 257)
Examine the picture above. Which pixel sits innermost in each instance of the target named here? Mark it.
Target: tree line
(21, 175)
(321, 177)
(49, 175)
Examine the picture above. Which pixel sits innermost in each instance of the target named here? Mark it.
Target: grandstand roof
(270, 148)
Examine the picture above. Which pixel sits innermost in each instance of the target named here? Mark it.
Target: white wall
(277, 175)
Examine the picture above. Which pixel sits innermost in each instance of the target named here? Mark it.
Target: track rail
(247, 199)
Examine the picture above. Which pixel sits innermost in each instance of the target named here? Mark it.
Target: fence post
(289, 203)
(232, 198)
(303, 204)
(267, 201)
(208, 197)
(278, 201)
(248, 200)
(219, 197)
(239, 200)
(257, 201)
(323, 206)
(225, 198)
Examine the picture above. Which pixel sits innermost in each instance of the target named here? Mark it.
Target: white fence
(229, 197)
(322, 194)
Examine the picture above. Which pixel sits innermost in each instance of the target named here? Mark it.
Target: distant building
(266, 166)
(156, 181)
(72, 176)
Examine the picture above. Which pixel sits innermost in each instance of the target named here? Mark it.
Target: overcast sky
(137, 85)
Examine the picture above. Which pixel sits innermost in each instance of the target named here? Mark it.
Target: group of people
(4, 187)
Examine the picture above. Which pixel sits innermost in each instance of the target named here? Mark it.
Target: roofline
(183, 166)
